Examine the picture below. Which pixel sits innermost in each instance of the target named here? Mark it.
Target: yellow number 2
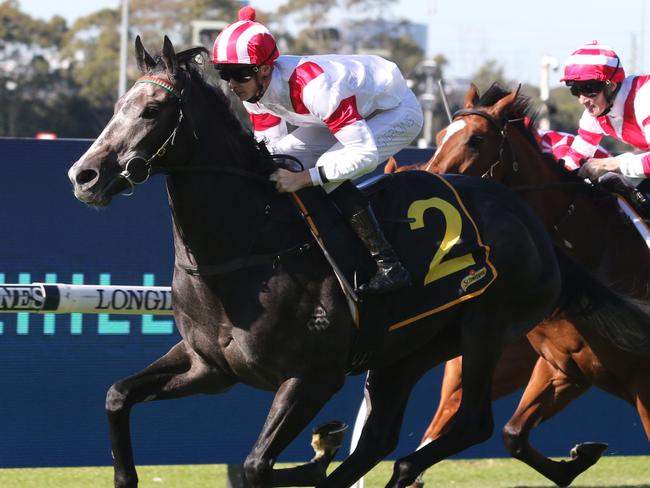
(453, 228)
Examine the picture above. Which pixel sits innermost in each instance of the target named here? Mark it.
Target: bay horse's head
(475, 141)
(144, 126)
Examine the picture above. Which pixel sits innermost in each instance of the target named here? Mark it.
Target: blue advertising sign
(55, 369)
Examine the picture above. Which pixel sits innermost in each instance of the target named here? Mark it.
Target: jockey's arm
(358, 156)
(585, 144)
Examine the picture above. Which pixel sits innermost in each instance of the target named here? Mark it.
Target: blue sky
(517, 33)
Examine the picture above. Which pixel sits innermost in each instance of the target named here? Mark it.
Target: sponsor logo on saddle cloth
(436, 239)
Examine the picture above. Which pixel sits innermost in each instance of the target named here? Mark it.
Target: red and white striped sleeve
(266, 126)
(585, 144)
(313, 91)
(638, 165)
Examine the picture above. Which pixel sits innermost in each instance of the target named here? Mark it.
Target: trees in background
(63, 79)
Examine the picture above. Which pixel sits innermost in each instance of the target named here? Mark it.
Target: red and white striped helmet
(245, 42)
(594, 61)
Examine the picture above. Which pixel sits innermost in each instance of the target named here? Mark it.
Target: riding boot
(391, 274)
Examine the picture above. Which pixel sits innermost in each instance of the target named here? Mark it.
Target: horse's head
(143, 127)
(475, 140)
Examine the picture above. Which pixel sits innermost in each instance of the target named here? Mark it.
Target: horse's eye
(475, 141)
(150, 111)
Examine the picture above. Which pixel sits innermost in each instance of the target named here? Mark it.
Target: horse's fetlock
(126, 480)
(258, 471)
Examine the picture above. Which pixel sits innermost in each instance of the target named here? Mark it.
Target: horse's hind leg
(548, 392)
(387, 392)
(178, 373)
(473, 423)
(512, 372)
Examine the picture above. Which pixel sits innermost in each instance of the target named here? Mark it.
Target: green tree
(489, 72)
(316, 36)
(92, 45)
(32, 74)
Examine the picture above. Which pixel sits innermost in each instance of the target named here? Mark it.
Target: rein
(138, 170)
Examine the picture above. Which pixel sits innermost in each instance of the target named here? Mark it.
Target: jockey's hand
(287, 181)
(594, 168)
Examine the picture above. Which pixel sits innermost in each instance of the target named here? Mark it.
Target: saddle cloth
(433, 234)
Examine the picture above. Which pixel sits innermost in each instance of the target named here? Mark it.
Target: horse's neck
(541, 187)
(577, 221)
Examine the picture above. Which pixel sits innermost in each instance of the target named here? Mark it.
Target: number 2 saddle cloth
(432, 232)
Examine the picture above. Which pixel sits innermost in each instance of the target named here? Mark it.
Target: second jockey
(615, 105)
(351, 114)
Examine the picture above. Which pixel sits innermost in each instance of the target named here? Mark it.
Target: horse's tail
(587, 302)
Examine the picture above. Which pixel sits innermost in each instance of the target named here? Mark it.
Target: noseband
(501, 126)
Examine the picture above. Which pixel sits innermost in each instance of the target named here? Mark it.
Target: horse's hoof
(418, 483)
(589, 451)
(327, 438)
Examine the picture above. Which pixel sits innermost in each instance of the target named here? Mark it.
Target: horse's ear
(471, 98)
(169, 57)
(142, 57)
(499, 109)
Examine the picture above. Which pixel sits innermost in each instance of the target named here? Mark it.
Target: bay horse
(488, 138)
(256, 303)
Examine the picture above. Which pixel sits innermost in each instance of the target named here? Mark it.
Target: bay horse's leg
(643, 404)
(178, 373)
(512, 372)
(296, 403)
(547, 393)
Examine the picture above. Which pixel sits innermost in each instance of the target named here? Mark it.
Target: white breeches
(392, 129)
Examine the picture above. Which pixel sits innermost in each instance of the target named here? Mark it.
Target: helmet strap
(610, 96)
(261, 89)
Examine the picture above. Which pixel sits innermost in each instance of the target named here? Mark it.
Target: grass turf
(610, 472)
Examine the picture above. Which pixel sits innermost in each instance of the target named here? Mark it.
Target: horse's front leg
(178, 373)
(296, 403)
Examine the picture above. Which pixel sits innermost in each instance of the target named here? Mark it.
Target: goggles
(589, 90)
(240, 74)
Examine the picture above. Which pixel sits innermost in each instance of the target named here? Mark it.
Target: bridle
(501, 126)
(138, 169)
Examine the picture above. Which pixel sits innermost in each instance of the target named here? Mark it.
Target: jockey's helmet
(593, 62)
(245, 42)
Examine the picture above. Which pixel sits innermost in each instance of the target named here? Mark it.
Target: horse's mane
(193, 62)
(524, 115)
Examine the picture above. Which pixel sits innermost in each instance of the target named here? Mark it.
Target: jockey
(615, 105)
(351, 113)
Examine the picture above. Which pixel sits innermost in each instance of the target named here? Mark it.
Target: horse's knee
(513, 439)
(115, 400)
(258, 471)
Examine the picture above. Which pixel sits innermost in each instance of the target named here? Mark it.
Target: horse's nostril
(86, 176)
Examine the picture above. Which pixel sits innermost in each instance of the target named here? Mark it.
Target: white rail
(64, 298)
